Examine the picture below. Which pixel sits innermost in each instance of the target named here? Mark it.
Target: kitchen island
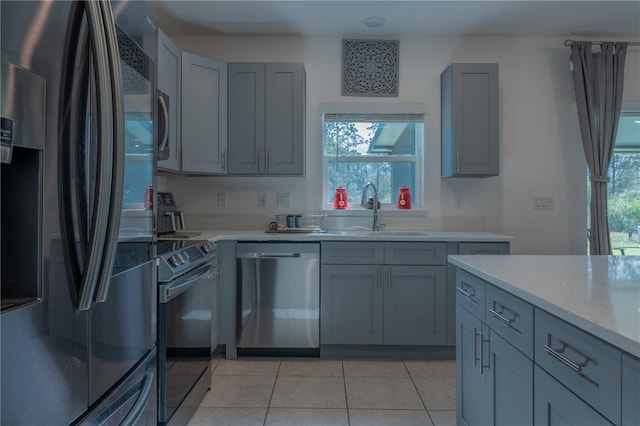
(548, 339)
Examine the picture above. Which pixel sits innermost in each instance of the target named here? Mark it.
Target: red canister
(404, 198)
(148, 198)
(340, 199)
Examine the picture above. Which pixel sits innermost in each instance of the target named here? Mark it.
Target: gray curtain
(598, 79)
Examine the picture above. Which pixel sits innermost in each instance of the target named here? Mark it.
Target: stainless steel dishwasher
(278, 297)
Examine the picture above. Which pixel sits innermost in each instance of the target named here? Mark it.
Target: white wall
(540, 146)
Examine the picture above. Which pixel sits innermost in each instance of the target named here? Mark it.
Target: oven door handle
(173, 288)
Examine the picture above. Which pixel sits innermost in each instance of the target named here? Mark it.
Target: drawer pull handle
(501, 317)
(465, 293)
(557, 354)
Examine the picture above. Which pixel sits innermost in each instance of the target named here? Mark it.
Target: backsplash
(334, 223)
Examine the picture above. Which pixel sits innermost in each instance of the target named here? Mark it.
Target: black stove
(179, 257)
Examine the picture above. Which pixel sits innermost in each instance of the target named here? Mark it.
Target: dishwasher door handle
(278, 255)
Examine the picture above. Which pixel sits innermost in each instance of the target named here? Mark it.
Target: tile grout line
(273, 389)
(424, 404)
(346, 399)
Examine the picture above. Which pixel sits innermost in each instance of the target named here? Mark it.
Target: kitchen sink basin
(360, 233)
(403, 233)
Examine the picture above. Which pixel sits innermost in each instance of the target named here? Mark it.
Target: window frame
(416, 159)
(629, 108)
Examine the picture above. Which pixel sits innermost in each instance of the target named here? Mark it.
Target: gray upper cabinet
(169, 80)
(204, 115)
(470, 126)
(266, 112)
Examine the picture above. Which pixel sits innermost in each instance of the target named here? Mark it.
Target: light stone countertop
(599, 294)
(358, 235)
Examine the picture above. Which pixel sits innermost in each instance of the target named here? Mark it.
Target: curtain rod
(569, 42)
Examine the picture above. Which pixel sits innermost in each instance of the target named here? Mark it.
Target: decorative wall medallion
(370, 68)
(133, 67)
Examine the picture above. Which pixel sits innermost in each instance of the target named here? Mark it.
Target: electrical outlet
(284, 199)
(262, 200)
(458, 201)
(543, 203)
(222, 199)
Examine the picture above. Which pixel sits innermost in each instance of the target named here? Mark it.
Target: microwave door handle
(117, 152)
(165, 124)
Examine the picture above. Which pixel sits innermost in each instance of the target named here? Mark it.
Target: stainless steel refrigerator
(78, 131)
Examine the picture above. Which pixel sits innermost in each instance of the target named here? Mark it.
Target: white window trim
(388, 208)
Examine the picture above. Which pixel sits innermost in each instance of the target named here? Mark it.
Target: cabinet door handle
(389, 278)
(457, 161)
(224, 161)
(500, 317)
(473, 348)
(259, 159)
(379, 278)
(268, 160)
(557, 354)
(482, 342)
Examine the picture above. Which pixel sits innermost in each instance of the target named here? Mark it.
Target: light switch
(543, 203)
(284, 199)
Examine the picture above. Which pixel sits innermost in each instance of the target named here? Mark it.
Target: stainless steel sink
(369, 234)
(403, 233)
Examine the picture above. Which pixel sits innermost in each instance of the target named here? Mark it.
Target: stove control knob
(181, 257)
(206, 247)
(175, 260)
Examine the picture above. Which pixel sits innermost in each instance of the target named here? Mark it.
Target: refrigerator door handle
(136, 411)
(116, 162)
(88, 278)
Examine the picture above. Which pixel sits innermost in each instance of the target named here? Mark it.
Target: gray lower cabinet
(266, 112)
(483, 248)
(351, 304)
(470, 118)
(630, 390)
(465, 248)
(471, 388)
(367, 298)
(414, 305)
(494, 379)
(519, 365)
(557, 405)
(375, 305)
(226, 298)
(588, 367)
(510, 376)
(204, 115)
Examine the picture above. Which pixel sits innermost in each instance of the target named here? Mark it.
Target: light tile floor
(319, 392)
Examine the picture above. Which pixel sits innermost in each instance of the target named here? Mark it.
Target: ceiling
(572, 19)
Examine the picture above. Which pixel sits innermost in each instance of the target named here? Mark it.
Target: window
(624, 187)
(385, 149)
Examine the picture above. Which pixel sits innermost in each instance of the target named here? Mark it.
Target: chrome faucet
(376, 226)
